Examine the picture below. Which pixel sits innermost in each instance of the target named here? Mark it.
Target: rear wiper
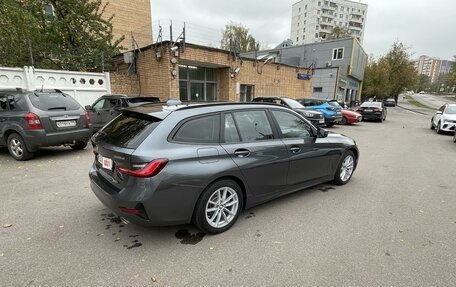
(57, 108)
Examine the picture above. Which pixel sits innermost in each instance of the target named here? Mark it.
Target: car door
(3, 117)
(248, 137)
(111, 106)
(310, 157)
(95, 114)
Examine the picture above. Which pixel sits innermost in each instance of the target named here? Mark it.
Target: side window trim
(222, 128)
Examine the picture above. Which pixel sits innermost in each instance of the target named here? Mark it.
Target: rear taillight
(130, 210)
(149, 170)
(33, 121)
(377, 110)
(87, 118)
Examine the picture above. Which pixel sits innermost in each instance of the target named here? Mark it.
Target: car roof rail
(49, 91)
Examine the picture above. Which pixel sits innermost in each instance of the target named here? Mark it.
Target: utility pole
(31, 53)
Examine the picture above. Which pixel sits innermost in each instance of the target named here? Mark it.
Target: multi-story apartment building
(432, 67)
(313, 20)
(131, 18)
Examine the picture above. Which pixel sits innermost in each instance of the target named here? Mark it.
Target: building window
(305, 14)
(316, 35)
(297, 39)
(318, 89)
(341, 16)
(299, 17)
(304, 22)
(316, 28)
(319, 3)
(299, 10)
(338, 54)
(318, 12)
(197, 83)
(304, 30)
(298, 24)
(305, 7)
(342, 8)
(248, 92)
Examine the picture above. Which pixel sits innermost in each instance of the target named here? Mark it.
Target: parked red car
(350, 117)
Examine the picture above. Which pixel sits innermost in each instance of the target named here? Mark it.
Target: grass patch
(416, 103)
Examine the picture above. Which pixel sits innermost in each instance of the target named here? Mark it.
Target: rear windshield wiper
(57, 108)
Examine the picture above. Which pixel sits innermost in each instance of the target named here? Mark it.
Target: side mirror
(88, 108)
(321, 133)
(438, 113)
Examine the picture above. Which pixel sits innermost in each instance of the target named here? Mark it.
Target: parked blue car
(330, 109)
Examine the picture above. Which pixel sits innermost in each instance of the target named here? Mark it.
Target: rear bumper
(39, 138)
(373, 116)
(353, 120)
(318, 122)
(164, 204)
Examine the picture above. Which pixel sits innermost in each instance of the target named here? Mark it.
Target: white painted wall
(84, 87)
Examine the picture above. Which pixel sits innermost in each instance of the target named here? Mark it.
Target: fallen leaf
(7, 225)
(277, 242)
(136, 276)
(61, 226)
(402, 240)
(30, 238)
(421, 211)
(211, 248)
(2, 254)
(154, 279)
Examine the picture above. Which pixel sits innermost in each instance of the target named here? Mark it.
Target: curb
(414, 111)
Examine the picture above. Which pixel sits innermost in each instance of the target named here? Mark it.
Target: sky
(427, 27)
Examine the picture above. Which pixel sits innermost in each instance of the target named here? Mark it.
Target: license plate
(65, 124)
(106, 162)
(338, 113)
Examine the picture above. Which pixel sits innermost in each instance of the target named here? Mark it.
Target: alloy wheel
(346, 169)
(16, 147)
(222, 207)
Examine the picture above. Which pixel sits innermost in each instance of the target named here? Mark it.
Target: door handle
(295, 149)
(241, 152)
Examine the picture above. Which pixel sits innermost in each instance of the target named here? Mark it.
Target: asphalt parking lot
(393, 224)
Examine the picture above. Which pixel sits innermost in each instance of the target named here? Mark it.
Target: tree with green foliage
(423, 83)
(402, 73)
(75, 37)
(339, 32)
(376, 79)
(237, 36)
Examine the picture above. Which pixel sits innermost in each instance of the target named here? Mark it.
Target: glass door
(196, 92)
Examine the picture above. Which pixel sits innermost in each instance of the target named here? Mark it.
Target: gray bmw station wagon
(203, 164)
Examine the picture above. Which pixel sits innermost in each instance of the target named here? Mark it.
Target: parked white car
(444, 120)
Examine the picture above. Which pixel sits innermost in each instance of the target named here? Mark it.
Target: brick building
(199, 73)
(131, 17)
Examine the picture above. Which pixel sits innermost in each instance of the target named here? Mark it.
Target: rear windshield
(371, 104)
(293, 103)
(144, 100)
(128, 130)
(57, 101)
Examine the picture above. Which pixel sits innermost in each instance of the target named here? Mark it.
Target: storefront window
(196, 73)
(211, 92)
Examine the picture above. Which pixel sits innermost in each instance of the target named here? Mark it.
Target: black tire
(380, 119)
(199, 217)
(344, 121)
(79, 145)
(437, 129)
(330, 125)
(17, 148)
(432, 124)
(338, 176)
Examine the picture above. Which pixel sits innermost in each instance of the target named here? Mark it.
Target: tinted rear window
(199, 130)
(334, 104)
(128, 130)
(57, 101)
(371, 104)
(144, 100)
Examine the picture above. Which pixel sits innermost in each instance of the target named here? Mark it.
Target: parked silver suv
(31, 120)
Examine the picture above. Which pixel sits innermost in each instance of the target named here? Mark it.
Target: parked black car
(315, 117)
(30, 120)
(205, 163)
(107, 107)
(373, 111)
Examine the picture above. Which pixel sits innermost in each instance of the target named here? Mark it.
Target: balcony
(325, 29)
(356, 20)
(356, 13)
(355, 26)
